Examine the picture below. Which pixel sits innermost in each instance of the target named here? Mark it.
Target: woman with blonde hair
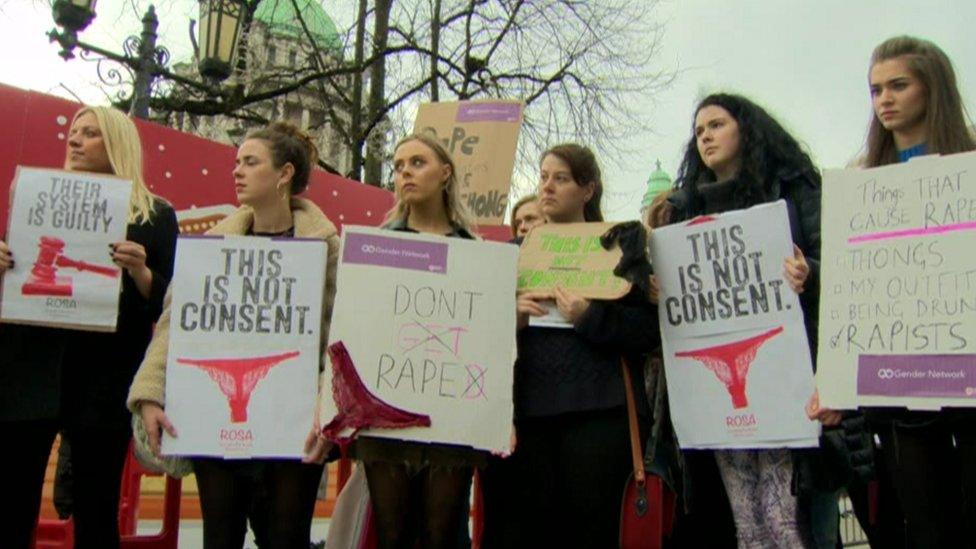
(75, 382)
(419, 491)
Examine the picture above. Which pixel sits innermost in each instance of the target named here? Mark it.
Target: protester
(419, 491)
(526, 214)
(572, 456)
(76, 381)
(930, 456)
(272, 167)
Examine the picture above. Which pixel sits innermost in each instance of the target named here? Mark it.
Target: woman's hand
(6, 258)
(570, 305)
(317, 447)
(796, 270)
(655, 290)
(131, 256)
(826, 416)
(527, 305)
(154, 420)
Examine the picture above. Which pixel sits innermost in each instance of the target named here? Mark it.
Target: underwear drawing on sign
(238, 377)
(731, 361)
(359, 408)
(44, 279)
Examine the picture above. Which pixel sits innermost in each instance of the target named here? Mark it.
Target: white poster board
(898, 300)
(429, 323)
(736, 355)
(60, 226)
(243, 363)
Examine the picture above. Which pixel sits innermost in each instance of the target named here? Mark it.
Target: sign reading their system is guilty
(244, 349)
(570, 256)
(898, 300)
(481, 137)
(60, 227)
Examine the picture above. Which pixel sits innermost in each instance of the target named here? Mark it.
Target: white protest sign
(898, 279)
(735, 348)
(429, 324)
(243, 362)
(60, 226)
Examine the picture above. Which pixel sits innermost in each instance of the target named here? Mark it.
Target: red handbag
(644, 511)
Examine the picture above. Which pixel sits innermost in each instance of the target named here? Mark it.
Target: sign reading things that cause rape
(60, 226)
(570, 255)
(481, 137)
(898, 299)
(735, 347)
(244, 351)
(429, 325)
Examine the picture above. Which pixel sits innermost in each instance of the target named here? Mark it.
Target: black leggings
(97, 459)
(411, 504)
(935, 480)
(278, 496)
(563, 485)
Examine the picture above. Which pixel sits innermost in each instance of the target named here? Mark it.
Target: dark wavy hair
(768, 152)
(585, 170)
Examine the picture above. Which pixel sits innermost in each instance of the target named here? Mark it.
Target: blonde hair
(124, 151)
(457, 212)
(945, 115)
(522, 202)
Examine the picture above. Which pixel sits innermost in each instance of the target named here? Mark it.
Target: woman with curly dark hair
(738, 157)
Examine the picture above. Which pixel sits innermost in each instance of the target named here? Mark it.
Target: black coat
(82, 378)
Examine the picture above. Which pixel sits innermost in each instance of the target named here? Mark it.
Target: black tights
(411, 505)
(278, 496)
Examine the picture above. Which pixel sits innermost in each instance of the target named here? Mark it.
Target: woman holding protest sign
(564, 482)
(273, 166)
(930, 457)
(419, 492)
(74, 381)
(740, 156)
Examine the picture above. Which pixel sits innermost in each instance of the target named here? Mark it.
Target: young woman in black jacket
(76, 382)
(565, 480)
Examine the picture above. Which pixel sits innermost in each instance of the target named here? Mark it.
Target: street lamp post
(147, 61)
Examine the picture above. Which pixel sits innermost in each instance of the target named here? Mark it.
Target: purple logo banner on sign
(917, 375)
(489, 112)
(399, 253)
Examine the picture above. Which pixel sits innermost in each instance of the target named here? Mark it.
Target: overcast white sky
(804, 60)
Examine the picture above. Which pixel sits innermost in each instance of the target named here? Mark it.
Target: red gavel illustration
(730, 362)
(44, 279)
(237, 377)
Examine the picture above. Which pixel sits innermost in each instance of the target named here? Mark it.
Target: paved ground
(191, 532)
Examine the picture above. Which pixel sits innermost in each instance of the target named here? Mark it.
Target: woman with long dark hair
(564, 482)
(930, 456)
(740, 156)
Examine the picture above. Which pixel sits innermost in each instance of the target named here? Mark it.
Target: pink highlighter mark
(730, 362)
(238, 377)
(905, 233)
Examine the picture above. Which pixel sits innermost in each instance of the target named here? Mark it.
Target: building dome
(281, 18)
(657, 183)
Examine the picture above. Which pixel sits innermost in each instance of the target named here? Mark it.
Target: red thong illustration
(44, 279)
(238, 377)
(730, 362)
(700, 220)
(359, 408)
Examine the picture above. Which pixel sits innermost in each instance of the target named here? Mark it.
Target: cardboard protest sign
(429, 325)
(570, 255)
(60, 226)
(244, 351)
(736, 354)
(898, 279)
(482, 137)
